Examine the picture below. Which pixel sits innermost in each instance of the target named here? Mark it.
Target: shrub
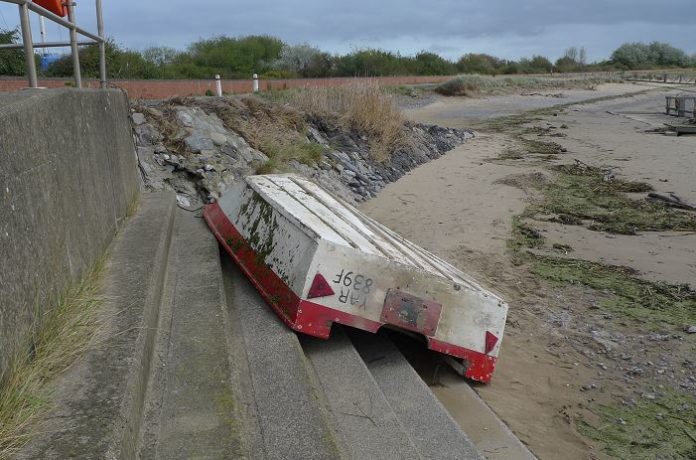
(11, 61)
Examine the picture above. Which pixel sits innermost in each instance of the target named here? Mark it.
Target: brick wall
(161, 89)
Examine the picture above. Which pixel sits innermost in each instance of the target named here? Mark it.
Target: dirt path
(457, 207)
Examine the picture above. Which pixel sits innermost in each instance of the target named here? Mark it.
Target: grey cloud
(449, 26)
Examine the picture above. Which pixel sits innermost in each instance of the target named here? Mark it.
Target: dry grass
(62, 337)
(363, 107)
(474, 85)
(277, 130)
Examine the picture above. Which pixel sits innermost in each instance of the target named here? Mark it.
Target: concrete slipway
(193, 364)
(189, 361)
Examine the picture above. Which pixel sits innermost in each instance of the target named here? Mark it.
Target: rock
(659, 337)
(183, 201)
(147, 134)
(145, 154)
(198, 143)
(605, 340)
(185, 119)
(218, 138)
(691, 330)
(350, 171)
(138, 118)
(315, 135)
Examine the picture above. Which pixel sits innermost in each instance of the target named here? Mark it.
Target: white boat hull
(317, 261)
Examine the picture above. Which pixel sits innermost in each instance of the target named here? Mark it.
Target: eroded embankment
(199, 146)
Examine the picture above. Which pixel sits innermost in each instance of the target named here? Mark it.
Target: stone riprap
(209, 156)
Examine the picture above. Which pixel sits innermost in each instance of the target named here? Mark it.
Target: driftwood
(671, 200)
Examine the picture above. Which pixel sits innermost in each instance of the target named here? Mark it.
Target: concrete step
(192, 363)
(191, 400)
(99, 400)
(430, 427)
(364, 420)
(286, 402)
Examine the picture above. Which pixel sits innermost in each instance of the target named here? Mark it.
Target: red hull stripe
(309, 317)
(481, 366)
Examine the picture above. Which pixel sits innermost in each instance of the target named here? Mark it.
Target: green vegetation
(662, 428)
(524, 236)
(270, 57)
(656, 54)
(62, 336)
(467, 85)
(11, 61)
(279, 155)
(646, 302)
(584, 193)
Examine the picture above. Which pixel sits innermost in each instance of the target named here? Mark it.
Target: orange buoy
(54, 6)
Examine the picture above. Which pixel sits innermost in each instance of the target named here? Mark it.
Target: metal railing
(28, 43)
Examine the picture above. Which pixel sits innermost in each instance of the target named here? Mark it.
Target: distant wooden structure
(681, 106)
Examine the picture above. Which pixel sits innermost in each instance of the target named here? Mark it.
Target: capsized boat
(317, 260)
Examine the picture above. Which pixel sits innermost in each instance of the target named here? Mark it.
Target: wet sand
(456, 207)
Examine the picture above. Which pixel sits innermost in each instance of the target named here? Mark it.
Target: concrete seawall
(68, 174)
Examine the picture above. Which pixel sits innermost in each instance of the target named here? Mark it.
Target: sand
(456, 207)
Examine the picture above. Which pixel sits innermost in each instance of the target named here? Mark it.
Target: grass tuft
(363, 107)
(280, 155)
(61, 337)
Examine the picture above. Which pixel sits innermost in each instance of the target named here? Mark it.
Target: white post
(256, 83)
(42, 28)
(218, 86)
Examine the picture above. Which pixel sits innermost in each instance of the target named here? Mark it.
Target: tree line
(270, 57)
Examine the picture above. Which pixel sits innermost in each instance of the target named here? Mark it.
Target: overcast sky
(505, 28)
